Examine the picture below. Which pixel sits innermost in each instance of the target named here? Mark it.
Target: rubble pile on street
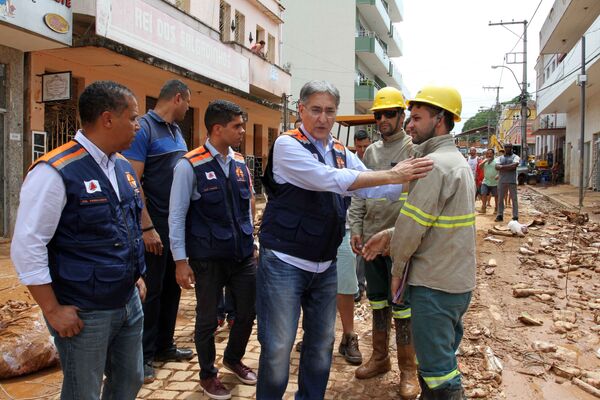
(542, 292)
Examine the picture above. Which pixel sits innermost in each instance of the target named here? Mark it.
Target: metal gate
(60, 120)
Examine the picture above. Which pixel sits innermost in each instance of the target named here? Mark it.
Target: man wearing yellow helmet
(369, 216)
(433, 243)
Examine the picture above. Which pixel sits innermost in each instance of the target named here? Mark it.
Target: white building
(558, 94)
(346, 42)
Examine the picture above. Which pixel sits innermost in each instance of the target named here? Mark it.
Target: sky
(450, 43)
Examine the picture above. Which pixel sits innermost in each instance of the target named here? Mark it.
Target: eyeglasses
(388, 114)
(316, 112)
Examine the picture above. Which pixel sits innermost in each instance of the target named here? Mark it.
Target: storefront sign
(56, 86)
(50, 18)
(140, 25)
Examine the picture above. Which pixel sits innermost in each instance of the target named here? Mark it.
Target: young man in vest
(369, 216)
(211, 232)
(157, 147)
(307, 175)
(433, 244)
(78, 248)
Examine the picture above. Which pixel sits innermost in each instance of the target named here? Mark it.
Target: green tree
(481, 119)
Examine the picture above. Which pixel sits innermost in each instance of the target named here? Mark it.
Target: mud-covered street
(532, 331)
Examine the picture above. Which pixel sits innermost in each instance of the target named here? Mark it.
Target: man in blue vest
(211, 233)
(78, 247)
(303, 225)
(157, 147)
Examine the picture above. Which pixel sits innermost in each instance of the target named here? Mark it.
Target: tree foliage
(482, 118)
(485, 116)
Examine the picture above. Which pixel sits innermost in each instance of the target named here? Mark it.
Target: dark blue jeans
(437, 330)
(162, 299)
(110, 343)
(211, 276)
(281, 291)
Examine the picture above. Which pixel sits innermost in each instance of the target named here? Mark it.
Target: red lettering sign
(66, 3)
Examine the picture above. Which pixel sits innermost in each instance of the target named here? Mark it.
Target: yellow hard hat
(445, 97)
(388, 97)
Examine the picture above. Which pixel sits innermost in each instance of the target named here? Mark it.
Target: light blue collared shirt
(294, 164)
(183, 191)
(43, 197)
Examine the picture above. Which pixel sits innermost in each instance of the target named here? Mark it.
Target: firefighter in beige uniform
(434, 243)
(366, 218)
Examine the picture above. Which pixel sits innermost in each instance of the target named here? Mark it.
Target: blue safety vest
(96, 254)
(218, 224)
(304, 223)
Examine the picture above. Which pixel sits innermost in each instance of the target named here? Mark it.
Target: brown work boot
(407, 360)
(349, 348)
(214, 389)
(379, 363)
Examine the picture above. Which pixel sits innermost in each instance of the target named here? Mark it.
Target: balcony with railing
(393, 77)
(371, 52)
(550, 124)
(566, 22)
(375, 14)
(394, 42)
(266, 79)
(560, 86)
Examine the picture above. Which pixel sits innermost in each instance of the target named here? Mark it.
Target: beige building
(25, 27)
(347, 42)
(143, 43)
(559, 88)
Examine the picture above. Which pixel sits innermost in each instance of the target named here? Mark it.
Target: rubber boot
(407, 360)
(379, 363)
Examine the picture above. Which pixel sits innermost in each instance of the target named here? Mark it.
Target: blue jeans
(110, 343)
(281, 290)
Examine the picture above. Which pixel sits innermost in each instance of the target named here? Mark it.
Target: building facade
(25, 27)
(143, 43)
(347, 42)
(559, 85)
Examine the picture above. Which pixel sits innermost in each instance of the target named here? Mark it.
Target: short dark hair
(221, 112)
(102, 96)
(361, 134)
(172, 88)
(262, 42)
(434, 110)
(406, 122)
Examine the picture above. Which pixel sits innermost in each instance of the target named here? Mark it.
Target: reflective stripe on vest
(441, 221)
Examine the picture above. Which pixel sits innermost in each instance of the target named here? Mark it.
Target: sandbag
(26, 345)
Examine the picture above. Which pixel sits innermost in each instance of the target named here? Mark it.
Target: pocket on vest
(111, 280)
(312, 231)
(95, 220)
(289, 222)
(221, 237)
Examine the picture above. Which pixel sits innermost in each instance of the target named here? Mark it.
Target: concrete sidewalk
(567, 197)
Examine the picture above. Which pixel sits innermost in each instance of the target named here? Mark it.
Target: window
(225, 21)
(271, 49)
(240, 28)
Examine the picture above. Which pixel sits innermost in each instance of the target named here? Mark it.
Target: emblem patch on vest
(131, 180)
(240, 174)
(211, 175)
(92, 186)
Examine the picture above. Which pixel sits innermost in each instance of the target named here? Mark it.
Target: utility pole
(496, 107)
(524, 95)
(581, 80)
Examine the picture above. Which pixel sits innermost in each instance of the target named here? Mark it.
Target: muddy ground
(502, 355)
